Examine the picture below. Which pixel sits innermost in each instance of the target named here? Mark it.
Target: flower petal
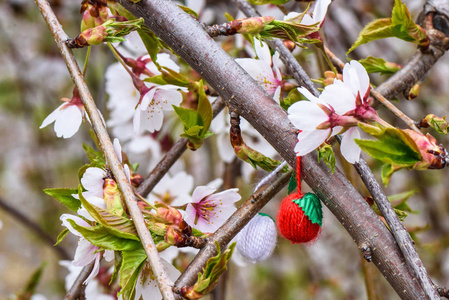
(95, 269)
(262, 51)
(201, 192)
(320, 10)
(85, 253)
(76, 219)
(68, 121)
(92, 181)
(339, 97)
(118, 149)
(310, 140)
(52, 116)
(190, 215)
(349, 148)
(306, 115)
(225, 198)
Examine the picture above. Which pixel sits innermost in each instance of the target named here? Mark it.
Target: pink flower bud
(257, 240)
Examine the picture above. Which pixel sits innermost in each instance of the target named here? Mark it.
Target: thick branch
(243, 95)
(107, 149)
(22, 218)
(171, 157)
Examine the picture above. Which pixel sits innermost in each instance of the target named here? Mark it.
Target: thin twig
(395, 110)
(249, 100)
(231, 227)
(77, 287)
(397, 228)
(33, 226)
(171, 157)
(106, 147)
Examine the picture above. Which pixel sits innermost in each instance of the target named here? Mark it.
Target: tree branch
(171, 157)
(77, 287)
(30, 224)
(243, 95)
(424, 59)
(112, 161)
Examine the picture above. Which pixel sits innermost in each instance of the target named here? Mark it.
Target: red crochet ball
(293, 224)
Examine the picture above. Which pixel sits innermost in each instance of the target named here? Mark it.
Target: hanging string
(298, 176)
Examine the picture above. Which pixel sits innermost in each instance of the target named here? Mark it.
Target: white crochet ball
(257, 240)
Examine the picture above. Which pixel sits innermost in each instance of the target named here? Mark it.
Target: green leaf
(204, 108)
(399, 201)
(257, 159)
(101, 237)
(403, 26)
(326, 154)
(292, 184)
(132, 264)
(293, 96)
(32, 283)
(95, 157)
(215, 266)
(394, 146)
(375, 30)
(172, 77)
(119, 226)
(158, 79)
(189, 117)
(188, 10)
(117, 265)
(64, 196)
(375, 65)
(311, 206)
(400, 25)
(61, 236)
(387, 172)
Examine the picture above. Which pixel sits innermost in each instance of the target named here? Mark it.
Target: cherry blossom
(85, 252)
(341, 105)
(265, 70)
(148, 114)
(173, 190)
(208, 211)
(67, 117)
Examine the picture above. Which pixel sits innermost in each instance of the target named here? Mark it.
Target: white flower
(257, 240)
(146, 286)
(340, 99)
(93, 182)
(264, 70)
(149, 113)
(317, 16)
(85, 252)
(173, 190)
(67, 117)
(207, 211)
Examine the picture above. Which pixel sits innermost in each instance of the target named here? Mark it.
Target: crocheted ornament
(300, 216)
(257, 240)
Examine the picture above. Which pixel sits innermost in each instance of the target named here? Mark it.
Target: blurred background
(33, 79)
